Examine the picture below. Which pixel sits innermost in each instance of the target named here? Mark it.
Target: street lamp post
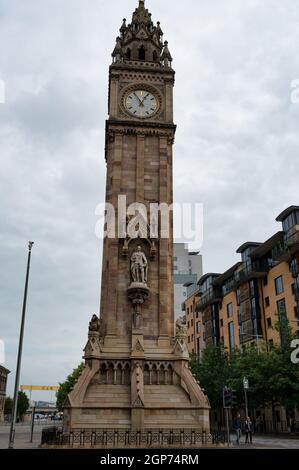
(18, 370)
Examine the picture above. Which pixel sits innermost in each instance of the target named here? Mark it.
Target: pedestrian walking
(248, 430)
(238, 428)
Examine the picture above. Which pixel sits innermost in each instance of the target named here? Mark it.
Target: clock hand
(145, 98)
(138, 99)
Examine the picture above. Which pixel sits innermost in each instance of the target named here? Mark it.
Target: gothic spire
(141, 40)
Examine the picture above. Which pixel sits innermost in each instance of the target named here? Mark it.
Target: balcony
(296, 293)
(293, 240)
(211, 296)
(285, 249)
(253, 270)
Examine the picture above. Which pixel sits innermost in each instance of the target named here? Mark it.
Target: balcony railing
(250, 271)
(212, 295)
(293, 239)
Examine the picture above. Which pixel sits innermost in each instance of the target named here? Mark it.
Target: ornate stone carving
(94, 325)
(181, 328)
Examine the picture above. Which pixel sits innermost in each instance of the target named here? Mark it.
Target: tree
(212, 373)
(8, 406)
(67, 386)
(273, 378)
(23, 405)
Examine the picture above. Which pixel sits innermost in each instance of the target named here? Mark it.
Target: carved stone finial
(94, 324)
(181, 328)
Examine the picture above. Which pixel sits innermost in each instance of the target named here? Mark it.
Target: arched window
(155, 56)
(128, 53)
(141, 55)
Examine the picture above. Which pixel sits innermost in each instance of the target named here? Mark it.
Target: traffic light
(234, 398)
(227, 397)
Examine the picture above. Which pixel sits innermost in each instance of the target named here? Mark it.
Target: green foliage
(67, 386)
(271, 374)
(8, 406)
(23, 405)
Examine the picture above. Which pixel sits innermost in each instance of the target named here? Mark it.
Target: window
(279, 287)
(192, 337)
(192, 322)
(196, 314)
(281, 307)
(188, 312)
(221, 323)
(141, 55)
(175, 267)
(198, 327)
(231, 335)
(188, 325)
(191, 308)
(267, 302)
(175, 258)
(155, 56)
(128, 53)
(290, 221)
(188, 339)
(269, 322)
(265, 281)
(238, 296)
(229, 309)
(252, 290)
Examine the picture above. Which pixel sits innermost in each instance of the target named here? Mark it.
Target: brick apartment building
(243, 304)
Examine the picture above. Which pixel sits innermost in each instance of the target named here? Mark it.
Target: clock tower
(136, 374)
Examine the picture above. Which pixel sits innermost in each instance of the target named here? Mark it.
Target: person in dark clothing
(238, 428)
(248, 430)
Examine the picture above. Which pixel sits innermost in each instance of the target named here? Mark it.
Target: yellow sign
(51, 388)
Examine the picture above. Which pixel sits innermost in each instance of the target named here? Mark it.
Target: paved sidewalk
(268, 442)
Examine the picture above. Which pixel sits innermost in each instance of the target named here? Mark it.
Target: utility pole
(20, 350)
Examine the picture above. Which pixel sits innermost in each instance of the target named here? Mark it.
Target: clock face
(141, 103)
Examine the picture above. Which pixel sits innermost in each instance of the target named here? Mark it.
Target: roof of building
(263, 249)
(284, 214)
(247, 245)
(227, 274)
(206, 276)
(4, 369)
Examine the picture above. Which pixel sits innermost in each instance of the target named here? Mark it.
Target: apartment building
(187, 269)
(244, 304)
(3, 383)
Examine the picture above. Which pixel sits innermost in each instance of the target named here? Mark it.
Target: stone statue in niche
(139, 266)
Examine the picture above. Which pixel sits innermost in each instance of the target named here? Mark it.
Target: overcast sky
(236, 148)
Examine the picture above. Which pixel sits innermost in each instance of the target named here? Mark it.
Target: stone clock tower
(136, 374)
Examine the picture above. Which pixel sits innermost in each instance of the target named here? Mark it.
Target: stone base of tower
(148, 390)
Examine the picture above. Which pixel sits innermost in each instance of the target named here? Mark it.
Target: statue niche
(138, 291)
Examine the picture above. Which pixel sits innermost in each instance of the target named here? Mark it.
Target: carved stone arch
(142, 52)
(110, 373)
(147, 375)
(154, 374)
(119, 373)
(127, 374)
(103, 372)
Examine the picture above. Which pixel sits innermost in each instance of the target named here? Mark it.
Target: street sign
(245, 384)
(50, 388)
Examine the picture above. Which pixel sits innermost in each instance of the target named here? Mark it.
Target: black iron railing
(123, 437)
